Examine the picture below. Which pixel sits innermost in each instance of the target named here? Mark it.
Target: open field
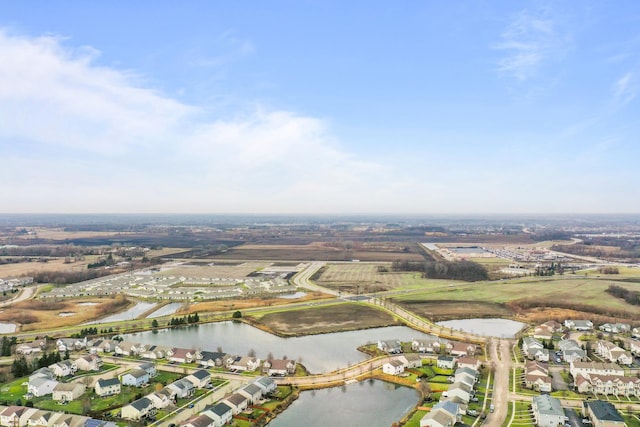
(241, 304)
(222, 271)
(525, 296)
(25, 268)
(33, 315)
(153, 253)
(333, 318)
(318, 251)
(367, 278)
(60, 234)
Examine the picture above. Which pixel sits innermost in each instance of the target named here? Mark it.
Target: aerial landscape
(319, 213)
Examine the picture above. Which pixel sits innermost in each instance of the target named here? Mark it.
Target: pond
(130, 314)
(500, 328)
(165, 310)
(7, 328)
(318, 353)
(367, 403)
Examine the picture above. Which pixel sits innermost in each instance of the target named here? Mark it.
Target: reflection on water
(367, 403)
(501, 328)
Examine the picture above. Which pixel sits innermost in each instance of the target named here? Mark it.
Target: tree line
(21, 367)
(468, 271)
(631, 297)
(186, 320)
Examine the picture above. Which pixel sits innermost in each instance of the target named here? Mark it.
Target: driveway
(557, 382)
(575, 419)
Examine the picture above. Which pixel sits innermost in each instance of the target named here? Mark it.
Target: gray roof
(142, 403)
(220, 409)
(236, 399)
(201, 374)
(199, 421)
(265, 381)
(447, 405)
(604, 411)
(137, 373)
(108, 382)
(146, 365)
(548, 405)
(252, 389)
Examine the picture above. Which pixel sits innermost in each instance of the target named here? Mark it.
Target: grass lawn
(631, 420)
(74, 407)
(13, 391)
(445, 372)
(414, 421)
(439, 379)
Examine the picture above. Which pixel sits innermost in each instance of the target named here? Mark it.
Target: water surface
(369, 403)
(501, 328)
(130, 314)
(165, 310)
(7, 328)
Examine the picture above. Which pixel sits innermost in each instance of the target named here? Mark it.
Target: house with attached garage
(536, 377)
(390, 346)
(466, 375)
(244, 364)
(411, 360)
(446, 362)
(34, 347)
(128, 348)
(220, 413)
(252, 392)
(237, 402)
(202, 420)
(107, 387)
(266, 384)
(12, 416)
(579, 325)
(602, 414)
(67, 392)
(468, 362)
(279, 367)
(611, 352)
(634, 347)
(460, 390)
(183, 388)
(154, 352)
(65, 420)
(571, 351)
(615, 328)
(460, 349)
(181, 355)
(89, 362)
(200, 378)
(64, 368)
(149, 368)
(443, 414)
(41, 386)
(161, 398)
(135, 378)
(211, 359)
(547, 411)
(393, 367)
(587, 368)
(431, 344)
(530, 347)
(42, 418)
(71, 344)
(137, 410)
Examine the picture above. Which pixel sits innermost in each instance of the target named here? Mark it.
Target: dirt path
(25, 294)
(500, 353)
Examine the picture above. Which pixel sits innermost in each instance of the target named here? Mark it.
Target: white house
(547, 411)
(246, 363)
(411, 360)
(40, 386)
(446, 362)
(67, 392)
(221, 413)
(266, 384)
(200, 378)
(393, 367)
(390, 346)
(135, 378)
(236, 402)
(279, 367)
(107, 387)
(149, 368)
(63, 368)
(89, 362)
(579, 325)
(138, 409)
(252, 392)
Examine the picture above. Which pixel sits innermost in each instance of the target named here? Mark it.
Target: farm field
(561, 292)
(240, 271)
(367, 278)
(319, 252)
(333, 318)
(241, 304)
(26, 268)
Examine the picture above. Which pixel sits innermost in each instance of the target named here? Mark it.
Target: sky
(316, 107)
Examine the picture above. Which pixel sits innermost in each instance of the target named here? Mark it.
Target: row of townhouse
(594, 368)
(454, 401)
(547, 411)
(222, 412)
(20, 416)
(615, 328)
(451, 362)
(148, 405)
(579, 325)
(608, 385)
(613, 353)
(436, 345)
(536, 376)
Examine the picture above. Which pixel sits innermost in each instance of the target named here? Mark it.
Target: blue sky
(320, 107)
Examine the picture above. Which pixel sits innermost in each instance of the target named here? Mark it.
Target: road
(499, 352)
(26, 293)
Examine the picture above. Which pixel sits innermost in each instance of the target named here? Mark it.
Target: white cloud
(528, 41)
(625, 89)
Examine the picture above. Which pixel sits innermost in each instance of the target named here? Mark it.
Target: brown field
(222, 271)
(33, 315)
(242, 304)
(447, 310)
(164, 252)
(60, 234)
(364, 277)
(319, 252)
(24, 268)
(334, 318)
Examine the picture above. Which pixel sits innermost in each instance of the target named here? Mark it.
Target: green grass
(414, 421)
(13, 391)
(74, 407)
(439, 379)
(631, 421)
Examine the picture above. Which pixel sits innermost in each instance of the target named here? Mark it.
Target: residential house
(245, 363)
(210, 359)
(40, 386)
(390, 346)
(460, 349)
(220, 413)
(279, 367)
(89, 362)
(602, 414)
(181, 355)
(609, 385)
(615, 328)
(154, 352)
(200, 378)
(68, 392)
(411, 360)
(266, 384)
(43, 373)
(431, 344)
(393, 367)
(161, 398)
(553, 326)
(107, 387)
(15, 416)
(460, 390)
(635, 332)
(149, 368)
(237, 402)
(183, 388)
(65, 420)
(542, 333)
(547, 411)
(588, 368)
(138, 409)
(446, 362)
(579, 325)
(536, 377)
(613, 353)
(71, 344)
(64, 368)
(128, 348)
(443, 414)
(202, 420)
(571, 351)
(530, 346)
(466, 375)
(34, 347)
(135, 378)
(102, 346)
(468, 362)
(42, 418)
(634, 347)
(252, 392)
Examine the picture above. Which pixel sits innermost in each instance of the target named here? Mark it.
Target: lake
(319, 353)
(7, 328)
(367, 403)
(130, 314)
(501, 328)
(165, 310)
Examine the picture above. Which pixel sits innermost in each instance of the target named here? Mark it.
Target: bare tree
(252, 353)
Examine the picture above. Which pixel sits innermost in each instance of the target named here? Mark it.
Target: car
(586, 421)
(491, 408)
(472, 412)
(191, 405)
(558, 360)
(474, 399)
